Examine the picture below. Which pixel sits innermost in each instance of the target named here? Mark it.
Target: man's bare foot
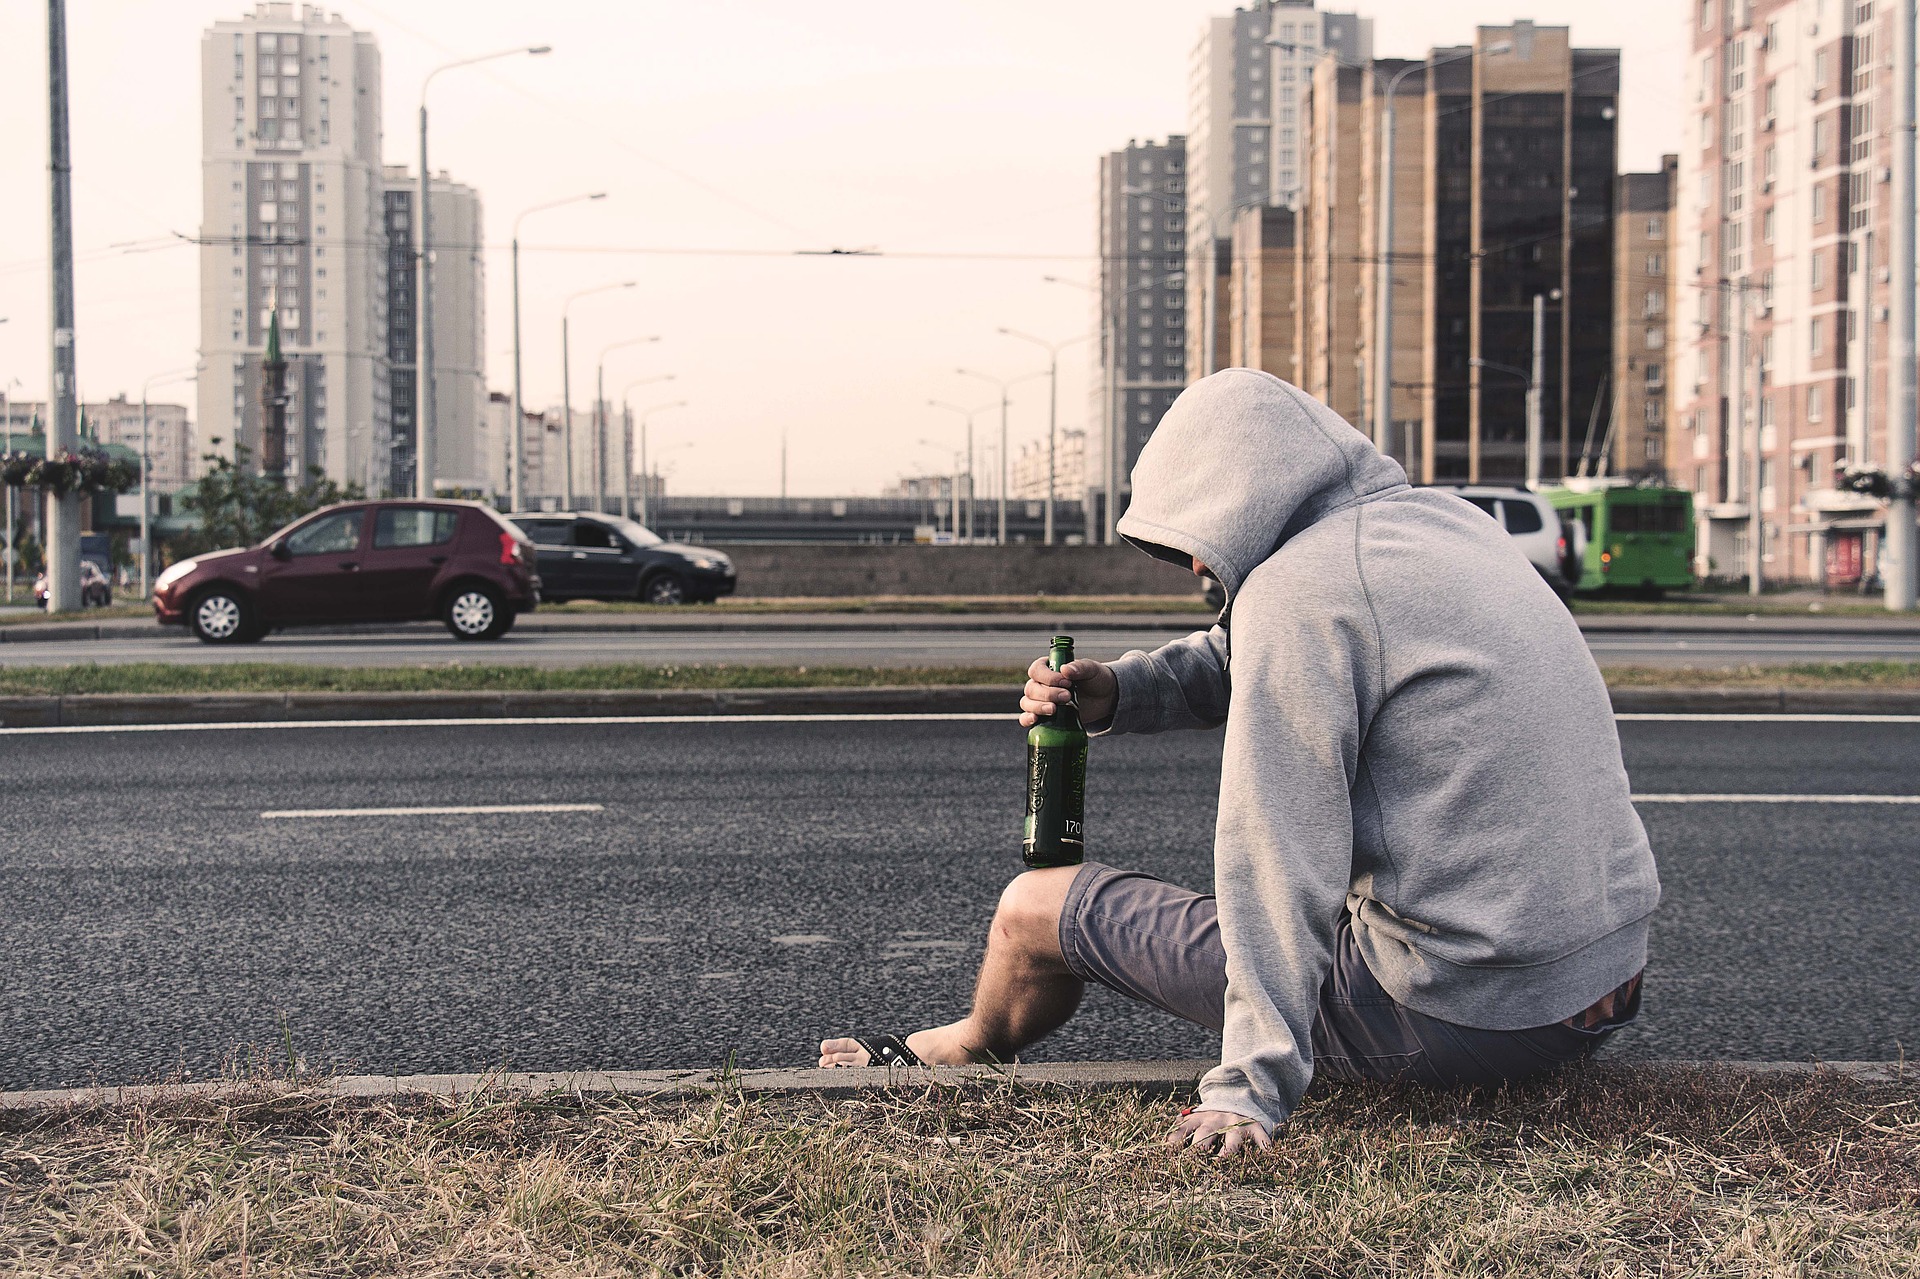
(936, 1046)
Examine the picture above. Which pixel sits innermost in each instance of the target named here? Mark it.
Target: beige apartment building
(171, 448)
(1781, 336)
(1635, 445)
(1028, 480)
(1504, 165)
(1263, 303)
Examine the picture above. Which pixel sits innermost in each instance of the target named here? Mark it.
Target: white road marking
(1761, 717)
(445, 810)
(1776, 799)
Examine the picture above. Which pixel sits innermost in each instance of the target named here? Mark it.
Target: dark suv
(606, 557)
(390, 561)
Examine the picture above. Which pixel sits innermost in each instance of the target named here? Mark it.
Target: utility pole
(1899, 568)
(426, 403)
(1534, 433)
(63, 511)
(1746, 440)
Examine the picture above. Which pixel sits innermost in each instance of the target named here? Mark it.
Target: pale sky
(726, 132)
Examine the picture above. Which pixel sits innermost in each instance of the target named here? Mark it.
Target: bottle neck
(1067, 716)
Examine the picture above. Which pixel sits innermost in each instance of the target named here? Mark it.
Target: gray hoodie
(1416, 733)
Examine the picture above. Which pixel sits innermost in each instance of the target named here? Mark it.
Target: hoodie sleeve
(1179, 685)
(1283, 848)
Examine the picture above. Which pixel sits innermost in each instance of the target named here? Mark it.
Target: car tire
(663, 588)
(475, 612)
(221, 616)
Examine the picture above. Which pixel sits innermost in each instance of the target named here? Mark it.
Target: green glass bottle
(1057, 780)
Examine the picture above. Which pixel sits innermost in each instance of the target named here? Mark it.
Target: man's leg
(1024, 992)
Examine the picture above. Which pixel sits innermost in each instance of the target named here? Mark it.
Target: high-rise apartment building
(168, 433)
(291, 200)
(1244, 141)
(459, 338)
(301, 216)
(1780, 345)
(1333, 305)
(1142, 301)
(1635, 443)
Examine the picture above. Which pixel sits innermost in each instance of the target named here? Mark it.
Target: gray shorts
(1155, 942)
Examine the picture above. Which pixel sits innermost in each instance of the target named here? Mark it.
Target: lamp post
(146, 465)
(600, 420)
(1901, 572)
(1005, 385)
(566, 380)
(516, 441)
(1533, 413)
(1053, 350)
(425, 405)
(644, 415)
(626, 449)
(971, 484)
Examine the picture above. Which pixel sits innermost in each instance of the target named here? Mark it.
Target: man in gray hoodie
(1427, 864)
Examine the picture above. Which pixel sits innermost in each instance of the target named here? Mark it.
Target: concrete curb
(1160, 1078)
(129, 710)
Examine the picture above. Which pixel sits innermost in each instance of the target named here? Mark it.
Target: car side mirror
(279, 551)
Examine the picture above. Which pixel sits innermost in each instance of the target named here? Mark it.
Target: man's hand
(1092, 682)
(1199, 1130)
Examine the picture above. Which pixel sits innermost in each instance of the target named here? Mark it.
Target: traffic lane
(839, 648)
(1855, 755)
(681, 926)
(896, 648)
(752, 887)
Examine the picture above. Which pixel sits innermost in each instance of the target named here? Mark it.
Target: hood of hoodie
(1242, 462)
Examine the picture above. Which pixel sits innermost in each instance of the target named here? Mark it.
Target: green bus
(1626, 537)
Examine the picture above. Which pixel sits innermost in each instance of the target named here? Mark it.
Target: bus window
(1663, 517)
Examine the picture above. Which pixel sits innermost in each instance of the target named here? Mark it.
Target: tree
(238, 508)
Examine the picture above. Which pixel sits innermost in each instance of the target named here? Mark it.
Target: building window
(1813, 344)
(1817, 269)
(1656, 264)
(1706, 16)
(1736, 66)
(1766, 226)
(1656, 227)
(1820, 70)
(1736, 188)
(1655, 373)
(1819, 204)
(1656, 337)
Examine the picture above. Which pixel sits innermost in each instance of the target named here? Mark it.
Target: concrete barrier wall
(1026, 569)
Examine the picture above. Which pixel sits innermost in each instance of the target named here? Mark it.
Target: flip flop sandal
(887, 1050)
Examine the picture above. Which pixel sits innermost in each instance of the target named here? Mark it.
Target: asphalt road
(852, 648)
(745, 888)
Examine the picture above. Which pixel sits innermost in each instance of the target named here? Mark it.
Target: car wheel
(221, 616)
(663, 588)
(476, 613)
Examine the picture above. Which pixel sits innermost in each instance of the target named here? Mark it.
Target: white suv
(1532, 523)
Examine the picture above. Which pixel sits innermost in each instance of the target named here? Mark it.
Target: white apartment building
(1028, 480)
(300, 214)
(1780, 336)
(292, 217)
(1244, 145)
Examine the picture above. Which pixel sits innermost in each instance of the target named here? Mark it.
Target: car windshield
(637, 533)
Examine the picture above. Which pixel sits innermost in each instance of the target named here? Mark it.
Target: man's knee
(1029, 911)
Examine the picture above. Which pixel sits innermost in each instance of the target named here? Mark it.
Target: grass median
(268, 677)
(1602, 1171)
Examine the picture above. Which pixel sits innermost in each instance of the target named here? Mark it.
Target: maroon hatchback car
(391, 561)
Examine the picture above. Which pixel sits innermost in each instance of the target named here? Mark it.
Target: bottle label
(1056, 804)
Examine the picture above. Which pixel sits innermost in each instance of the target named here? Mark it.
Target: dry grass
(1602, 1172)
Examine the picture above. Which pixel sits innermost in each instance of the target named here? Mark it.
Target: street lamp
(516, 442)
(971, 485)
(626, 449)
(146, 465)
(425, 405)
(1005, 385)
(600, 420)
(953, 486)
(1116, 442)
(1533, 413)
(566, 380)
(1053, 409)
(644, 415)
